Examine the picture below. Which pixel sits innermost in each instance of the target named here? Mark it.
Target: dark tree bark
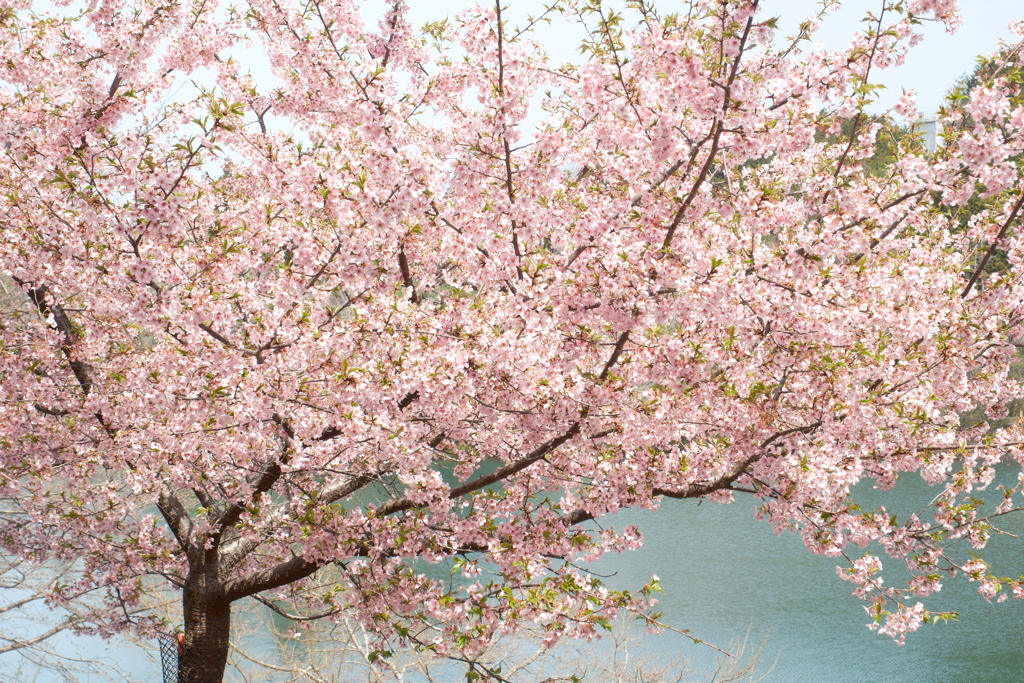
(207, 628)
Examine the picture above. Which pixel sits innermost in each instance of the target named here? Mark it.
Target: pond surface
(723, 573)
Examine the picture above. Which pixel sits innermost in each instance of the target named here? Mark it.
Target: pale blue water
(723, 572)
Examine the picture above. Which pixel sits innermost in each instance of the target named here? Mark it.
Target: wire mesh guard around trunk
(169, 659)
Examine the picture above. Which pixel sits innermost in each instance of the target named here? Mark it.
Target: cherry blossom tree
(406, 297)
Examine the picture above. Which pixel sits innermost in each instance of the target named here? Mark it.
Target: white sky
(930, 70)
(937, 61)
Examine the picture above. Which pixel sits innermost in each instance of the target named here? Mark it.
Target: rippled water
(723, 571)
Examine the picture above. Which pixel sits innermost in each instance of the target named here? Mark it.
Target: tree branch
(177, 519)
(403, 265)
(619, 345)
(261, 580)
(268, 477)
(237, 550)
(44, 301)
(699, 490)
(995, 245)
(20, 644)
(402, 504)
(718, 129)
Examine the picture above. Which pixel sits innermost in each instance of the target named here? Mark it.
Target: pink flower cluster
(361, 316)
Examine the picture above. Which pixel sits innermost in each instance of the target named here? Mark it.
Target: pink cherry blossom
(362, 314)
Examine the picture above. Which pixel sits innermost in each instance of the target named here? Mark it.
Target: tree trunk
(207, 629)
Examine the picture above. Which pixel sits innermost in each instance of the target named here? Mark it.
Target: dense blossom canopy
(403, 296)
